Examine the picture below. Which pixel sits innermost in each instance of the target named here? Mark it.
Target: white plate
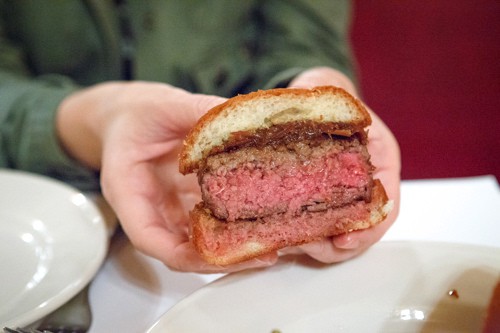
(52, 242)
(393, 287)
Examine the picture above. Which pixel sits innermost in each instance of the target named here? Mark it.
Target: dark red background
(431, 70)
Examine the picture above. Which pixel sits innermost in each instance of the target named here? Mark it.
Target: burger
(279, 168)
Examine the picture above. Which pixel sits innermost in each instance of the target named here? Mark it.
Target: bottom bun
(224, 243)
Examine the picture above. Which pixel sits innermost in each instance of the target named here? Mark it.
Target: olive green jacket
(48, 49)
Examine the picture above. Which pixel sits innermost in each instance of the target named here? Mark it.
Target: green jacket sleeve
(27, 121)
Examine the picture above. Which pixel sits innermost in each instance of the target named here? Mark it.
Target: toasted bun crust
(265, 108)
(206, 229)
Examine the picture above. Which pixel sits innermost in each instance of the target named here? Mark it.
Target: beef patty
(288, 178)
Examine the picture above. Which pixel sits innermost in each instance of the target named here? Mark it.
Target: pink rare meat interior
(315, 175)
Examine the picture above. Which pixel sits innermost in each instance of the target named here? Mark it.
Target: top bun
(265, 108)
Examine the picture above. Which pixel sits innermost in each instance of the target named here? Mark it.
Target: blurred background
(431, 70)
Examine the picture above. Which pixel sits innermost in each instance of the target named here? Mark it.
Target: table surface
(132, 291)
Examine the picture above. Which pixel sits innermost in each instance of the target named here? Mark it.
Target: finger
(323, 76)
(325, 251)
(362, 239)
(386, 156)
(203, 103)
(342, 247)
(179, 254)
(135, 196)
(149, 234)
(186, 109)
(263, 261)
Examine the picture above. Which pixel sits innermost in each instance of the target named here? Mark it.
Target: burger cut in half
(279, 168)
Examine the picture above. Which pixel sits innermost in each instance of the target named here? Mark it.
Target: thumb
(193, 107)
(203, 103)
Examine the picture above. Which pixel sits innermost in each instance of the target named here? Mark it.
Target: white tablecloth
(132, 291)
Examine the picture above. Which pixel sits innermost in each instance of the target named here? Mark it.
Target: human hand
(385, 155)
(133, 132)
